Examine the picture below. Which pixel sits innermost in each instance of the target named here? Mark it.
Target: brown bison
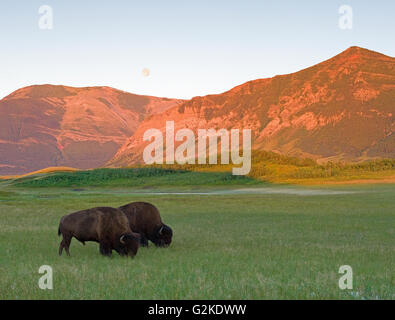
(107, 226)
(144, 218)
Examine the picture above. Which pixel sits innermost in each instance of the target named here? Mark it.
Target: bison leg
(61, 246)
(66, 243)
(143, 240)
(105, 249)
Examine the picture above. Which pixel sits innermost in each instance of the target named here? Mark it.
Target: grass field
(233, 239)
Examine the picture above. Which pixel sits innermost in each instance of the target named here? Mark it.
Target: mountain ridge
(314, 112)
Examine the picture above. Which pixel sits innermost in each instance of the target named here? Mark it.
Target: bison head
(163, 236)
(129, 244)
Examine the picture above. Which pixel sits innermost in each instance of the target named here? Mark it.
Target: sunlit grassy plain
(277, 245)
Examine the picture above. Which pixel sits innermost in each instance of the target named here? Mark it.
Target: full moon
(145, 72)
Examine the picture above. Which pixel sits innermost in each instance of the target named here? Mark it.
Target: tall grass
(274, 167)
(266, 166)
(132, 177)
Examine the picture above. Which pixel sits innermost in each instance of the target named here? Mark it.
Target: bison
(144, 218)
(107, 226)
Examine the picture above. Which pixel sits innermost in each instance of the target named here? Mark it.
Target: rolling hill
(46, 125)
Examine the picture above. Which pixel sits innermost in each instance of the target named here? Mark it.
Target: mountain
(47, 125)
(340, 109)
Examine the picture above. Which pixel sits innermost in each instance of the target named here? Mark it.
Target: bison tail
(59, 233)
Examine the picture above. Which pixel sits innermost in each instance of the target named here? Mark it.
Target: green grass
(226, 246)
(265, 167)
(133, 177)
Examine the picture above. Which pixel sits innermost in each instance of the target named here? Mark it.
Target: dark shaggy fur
(145, 219)
(107, 226)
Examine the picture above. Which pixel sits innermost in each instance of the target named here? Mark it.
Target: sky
(179, 49)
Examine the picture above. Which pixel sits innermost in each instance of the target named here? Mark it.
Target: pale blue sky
(190, 47)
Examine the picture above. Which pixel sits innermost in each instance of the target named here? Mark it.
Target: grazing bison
(144, 218)
(107, 226)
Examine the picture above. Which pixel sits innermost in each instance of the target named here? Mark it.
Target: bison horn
(160, 231)
(121, 239)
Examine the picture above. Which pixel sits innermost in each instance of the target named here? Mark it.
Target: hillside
(340, 109)
(46, 125)
(268, 167)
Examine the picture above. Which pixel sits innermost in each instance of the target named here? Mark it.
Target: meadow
(234, 238)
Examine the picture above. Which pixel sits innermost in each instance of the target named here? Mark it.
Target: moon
(145, 72)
